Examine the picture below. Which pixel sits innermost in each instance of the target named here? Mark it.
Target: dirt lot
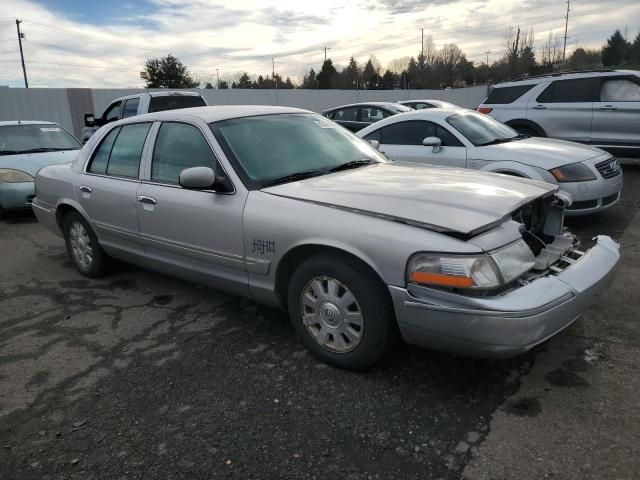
(137, 375)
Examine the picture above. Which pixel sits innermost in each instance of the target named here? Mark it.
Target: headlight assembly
(14, 176)
(574, 172)
(481, 272)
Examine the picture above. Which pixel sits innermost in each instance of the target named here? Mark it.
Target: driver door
(195, 234)
(402, 141)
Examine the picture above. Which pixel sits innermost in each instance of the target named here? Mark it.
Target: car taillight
(485, 109)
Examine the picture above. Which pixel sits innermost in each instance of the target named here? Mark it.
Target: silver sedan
(284, 206)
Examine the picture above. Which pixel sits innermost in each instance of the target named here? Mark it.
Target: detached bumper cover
(16, 196)
(508, 324)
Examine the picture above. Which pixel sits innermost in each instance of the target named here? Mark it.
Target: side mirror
(204, 178)
(375, 144)
(434, 142)
(89, 120)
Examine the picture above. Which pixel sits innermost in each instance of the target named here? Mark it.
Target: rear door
(565, 108)
(616, 116)
(192, 233)
(402, 141)
(109, 185)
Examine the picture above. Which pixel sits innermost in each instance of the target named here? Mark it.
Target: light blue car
(26, 147)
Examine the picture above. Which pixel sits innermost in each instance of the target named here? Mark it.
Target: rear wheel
(341, 311)
(83, 247)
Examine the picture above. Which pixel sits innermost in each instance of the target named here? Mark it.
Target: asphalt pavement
(137, 375)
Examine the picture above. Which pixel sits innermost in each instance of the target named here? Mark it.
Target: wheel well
(527, 124)
(510, 173)
(297, 255)
(62, 211)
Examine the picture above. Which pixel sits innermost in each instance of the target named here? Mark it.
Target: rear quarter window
(505, 95)
(571, 91)
(173, 102)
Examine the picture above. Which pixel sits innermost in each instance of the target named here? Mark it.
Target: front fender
(515, 168)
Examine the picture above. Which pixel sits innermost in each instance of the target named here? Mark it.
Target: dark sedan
(356, 116)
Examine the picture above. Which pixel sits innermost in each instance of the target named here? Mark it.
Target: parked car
(138, 104)
(461, 138)
(282, 205)
(25, 147)
(422, 104)
(359, 115)
(600, 108)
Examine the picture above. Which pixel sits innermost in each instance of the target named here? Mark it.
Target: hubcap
(80, 245)
(331, 314)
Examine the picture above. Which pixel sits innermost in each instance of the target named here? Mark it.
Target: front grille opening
(584, 204)
(610, 199)
(609, 168)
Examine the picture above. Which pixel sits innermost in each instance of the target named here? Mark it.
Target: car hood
(545, 153)
(437, 198)
(32, 162)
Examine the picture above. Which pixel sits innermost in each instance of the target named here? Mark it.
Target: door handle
(539, 107)
(85, 189)
(145, 199)
(608, 107)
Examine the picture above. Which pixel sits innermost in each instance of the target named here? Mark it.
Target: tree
(614, 52)
(328, 75)
(369, 74)
(310, 80)
(223, 85)
(244, 81)
(351, 74)
(168, 72)
(581, 59)
(208, 86)
(551, 51)
(398, 65)
(388, 80)
(452, 60)
(633, 54)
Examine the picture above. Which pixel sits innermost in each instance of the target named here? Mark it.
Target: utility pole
(325, 53)
(566, 26)
(20, 37)
(273, 75)
(217, 79)
(487, 71)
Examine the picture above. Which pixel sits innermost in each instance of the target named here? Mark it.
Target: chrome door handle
(539, 107)
(85, 189)
(608, 107)
(149, 200)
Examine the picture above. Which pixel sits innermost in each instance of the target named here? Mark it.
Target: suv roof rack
(558, 74)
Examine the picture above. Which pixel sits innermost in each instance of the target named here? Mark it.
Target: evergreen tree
(168, 72)
(615, 50)
(328, 75)
(310, 80)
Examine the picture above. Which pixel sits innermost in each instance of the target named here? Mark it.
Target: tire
(82, 246)
(320, 287)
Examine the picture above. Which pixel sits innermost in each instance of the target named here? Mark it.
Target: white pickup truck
(138, 104)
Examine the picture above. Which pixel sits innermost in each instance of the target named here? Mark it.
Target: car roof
(429, 114)
(534, 80)
(362, 104)
(217, 113)
(26, 122)
(160, 93)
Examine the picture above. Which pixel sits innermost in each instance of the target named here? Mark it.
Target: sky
(91, 43)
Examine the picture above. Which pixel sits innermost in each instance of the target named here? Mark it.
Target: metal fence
(67, 106)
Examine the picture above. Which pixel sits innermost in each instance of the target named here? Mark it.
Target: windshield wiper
(294, 177)
(353, 164)
(495, 141)
(44, 149)
(9, 152)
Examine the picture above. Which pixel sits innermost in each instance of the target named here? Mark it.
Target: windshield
(269, 148)
(32, 138)
(481, 129)
(399, 108)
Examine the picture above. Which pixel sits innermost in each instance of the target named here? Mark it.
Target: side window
(124, 160)
(447, 138)
(372, 114)
(101, 156)
(506, 95)
(375, 135)
(407, 133)
(179, 146)
(173, 102)
(112, 112)
(130, 107)
(422, 106)
(620, 90)
(346, 115)
(570, 91)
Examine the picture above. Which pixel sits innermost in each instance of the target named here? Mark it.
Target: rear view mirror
(89, 120)
(434, 142)
(375, 144)
(204, 178)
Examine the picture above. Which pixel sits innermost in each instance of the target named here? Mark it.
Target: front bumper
(508, 324)
(16, 196)
(593, 196)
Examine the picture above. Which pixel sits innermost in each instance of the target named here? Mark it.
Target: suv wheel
(83, 247)
(341, 311)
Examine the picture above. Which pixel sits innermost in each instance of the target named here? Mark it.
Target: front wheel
(83, 247)
(341, 311)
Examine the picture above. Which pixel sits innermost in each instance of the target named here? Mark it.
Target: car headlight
(484, 271)
(574, 172)
(9, 175)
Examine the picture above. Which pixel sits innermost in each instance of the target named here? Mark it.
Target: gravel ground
(137, 375)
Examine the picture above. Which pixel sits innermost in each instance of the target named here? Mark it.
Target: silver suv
(600, 108)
